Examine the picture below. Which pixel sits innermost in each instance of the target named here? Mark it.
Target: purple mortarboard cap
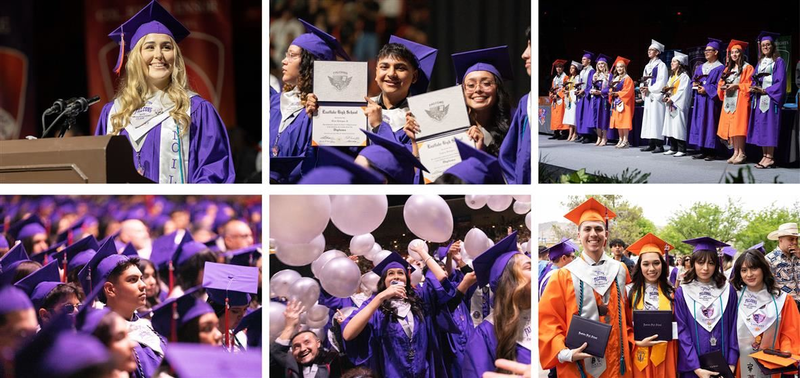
(246, 256)
(320, 44)
(189, 307)
(88, 318)
(3, 240)
(48, 254)
(759, 247)
(476, 166)
(336, 167)
(251, 322)
(58, 351)
(391, 158)
(770, 36)
(26, 228)
(13, 299)
(714, 43)
(200, 361)
(79, 253)
(426, 57)
(40, 283)
(588, 54)
(9, 263)
(159, 221)
(705, 243)
(74, 231)
(729, 251)
(233, 282)
(493, 59)
(186, 249)
(442, 251)
(563, 248)
(603, 58)
(394, 260)
(137, 212)
(96, 271)
(130, 251)
(285, 169)
(489, 266)
(163, 249)
(153, 18)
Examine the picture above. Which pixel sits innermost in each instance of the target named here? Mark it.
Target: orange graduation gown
(624, 119)
(735, 124)
(667, 368)
(788, 332)
(557, 110)
(556, 308)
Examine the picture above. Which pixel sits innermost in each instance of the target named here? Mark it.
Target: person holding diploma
(591, 286)
(557, 99)
(767, 317)
(481, 74)
(290, 127)
(678, 99)
(570, 107)
(177, 136)
(651, 291)
(705, 310)
(599, 99)
(768, 89)
(621, 96)
(705, 109)
(506, 332)
(734, 91)
(515, 150)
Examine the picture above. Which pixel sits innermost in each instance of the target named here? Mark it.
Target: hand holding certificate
(340, 88)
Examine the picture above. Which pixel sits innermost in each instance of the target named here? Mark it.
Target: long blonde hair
(134, 89)
(513, 295)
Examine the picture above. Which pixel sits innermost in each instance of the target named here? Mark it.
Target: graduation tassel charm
(121, 57)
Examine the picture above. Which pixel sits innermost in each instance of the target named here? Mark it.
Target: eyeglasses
(485, 85)
(70, 308)
(291, 56)
(709, 50)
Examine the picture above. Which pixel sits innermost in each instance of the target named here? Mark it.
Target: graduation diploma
(340, 88)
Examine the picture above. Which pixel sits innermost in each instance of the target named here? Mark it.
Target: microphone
(58, 106)
(80, 104)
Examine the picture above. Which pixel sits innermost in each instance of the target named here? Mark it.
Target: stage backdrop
(206, 51)
(16, 87)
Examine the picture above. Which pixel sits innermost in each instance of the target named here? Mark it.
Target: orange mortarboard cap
(591, 210)
(623, 60)
(649, 243)
(735, 42)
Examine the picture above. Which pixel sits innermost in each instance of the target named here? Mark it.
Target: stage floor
(662, 168)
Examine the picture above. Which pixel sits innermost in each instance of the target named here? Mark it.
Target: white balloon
(340, 277)
(317, 312)
(417, 243)
(522, 198)
(347, 311)
(528, 221)
(524, 247)
(316, 266)
(280, 282)
(475, 242)
(299, 254)
(370, 281)
(276, 319)
(522, 207)
(428, 217)
(416, 277)
(305, 290)
(361, 244)
(298, 219)
(376, 248)
(475, 201)
(315, 324)
(380, 256)
(499, 203)
(358, 214)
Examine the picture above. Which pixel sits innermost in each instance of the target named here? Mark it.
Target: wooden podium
(88, 159)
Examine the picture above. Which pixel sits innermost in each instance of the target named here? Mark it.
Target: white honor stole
(766, 65)
(757, 326)
(706, 302)
(599, 278)
(731, 99)
(174, 151)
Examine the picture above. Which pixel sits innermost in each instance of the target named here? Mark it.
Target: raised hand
(373, 112)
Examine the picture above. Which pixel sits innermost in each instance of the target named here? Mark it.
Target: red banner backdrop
(17, 118)
(206, 51)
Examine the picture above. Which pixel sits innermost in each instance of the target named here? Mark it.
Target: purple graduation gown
(687, 343)
(384, 347)
(295, 139)
(584, 118)
(705, 113)
(482, 352)
(515, 151)
(210, 158)
(764, 127)
(148, 359)
(453, 323)
(601, 109)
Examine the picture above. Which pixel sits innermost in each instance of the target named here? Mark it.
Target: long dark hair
(305, 82)
(143, 264)
(639, 281)
(754, 259)
(417, 306)
(730, 64)
(499, 125)
(512, 296)
(702, 256)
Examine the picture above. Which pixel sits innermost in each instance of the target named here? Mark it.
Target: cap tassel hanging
(173, 332)
(171, 277)
(64, 275)
(121, 56)
(227, 323)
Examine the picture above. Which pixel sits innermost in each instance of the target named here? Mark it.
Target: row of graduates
(87, 309)
(403, 69)
(751, 98)
(458, 322)
(736, 318)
